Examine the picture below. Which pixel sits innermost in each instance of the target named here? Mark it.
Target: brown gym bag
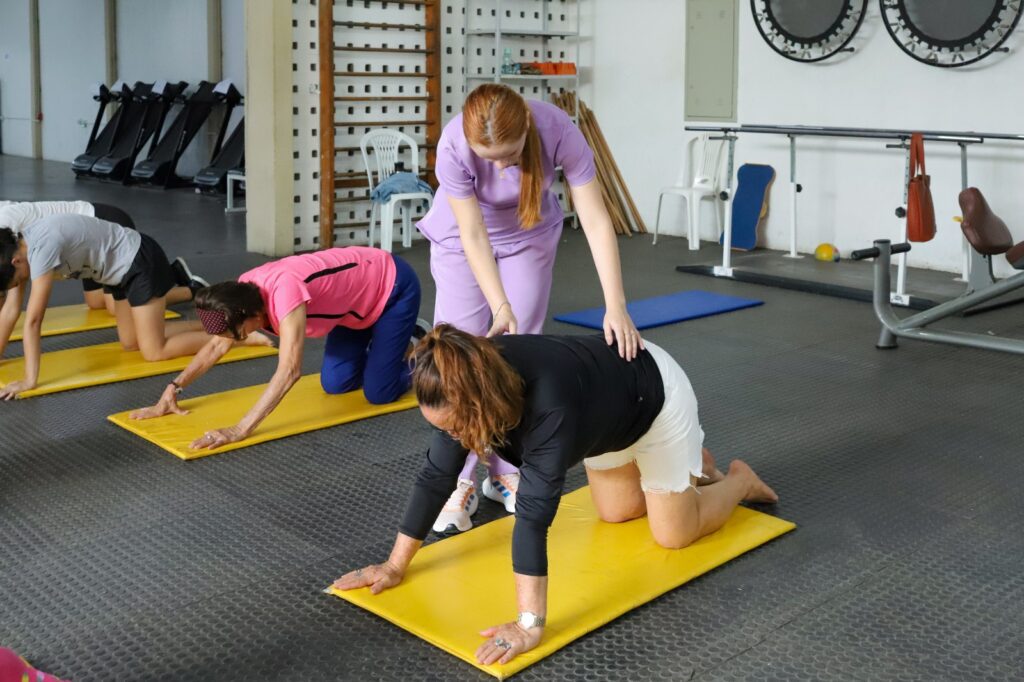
(920, 210)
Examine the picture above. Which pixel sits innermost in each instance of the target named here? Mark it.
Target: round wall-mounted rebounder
(950, 33)
(808, 30)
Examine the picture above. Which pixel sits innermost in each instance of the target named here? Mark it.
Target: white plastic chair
(386, 144)
(702, 183)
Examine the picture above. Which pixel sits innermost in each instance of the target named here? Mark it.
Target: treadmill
(159, 167)
(230, 157)
(100, 144)
(146, 117)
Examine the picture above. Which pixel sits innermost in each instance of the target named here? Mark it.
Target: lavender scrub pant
(525, 269)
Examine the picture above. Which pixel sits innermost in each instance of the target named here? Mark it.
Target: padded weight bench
(989, 236)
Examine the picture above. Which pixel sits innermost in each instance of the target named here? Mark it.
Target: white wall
(633, 71)
(852, 187)
(159, 40)
(232, 22)
(15, 79)
(68, 107)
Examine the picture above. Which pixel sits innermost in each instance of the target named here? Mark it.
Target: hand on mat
(378, 577)
(505, 321)
(217, 437)
(168, 405)
(505, 642)
(619, 327)
(11, 390)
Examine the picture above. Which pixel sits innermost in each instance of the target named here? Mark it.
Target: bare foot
(708, 468)
(757, 490)
(258, 339)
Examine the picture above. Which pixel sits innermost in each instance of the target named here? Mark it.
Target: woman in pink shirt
(364, 300)
(494, 228)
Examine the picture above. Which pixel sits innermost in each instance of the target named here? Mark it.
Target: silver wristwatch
(529, 620)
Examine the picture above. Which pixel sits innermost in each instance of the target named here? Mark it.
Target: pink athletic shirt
(346, 287)
(462, 174)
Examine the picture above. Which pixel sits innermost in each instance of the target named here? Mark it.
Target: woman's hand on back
(505, 321)
(620, 330)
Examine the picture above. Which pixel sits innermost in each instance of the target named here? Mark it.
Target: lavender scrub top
(462, 174)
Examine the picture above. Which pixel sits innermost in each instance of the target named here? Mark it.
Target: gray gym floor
(901, 468)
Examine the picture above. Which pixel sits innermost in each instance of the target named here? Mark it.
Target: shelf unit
(504, 27)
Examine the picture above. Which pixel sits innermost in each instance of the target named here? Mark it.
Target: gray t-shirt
(17, 215)
(80, 247)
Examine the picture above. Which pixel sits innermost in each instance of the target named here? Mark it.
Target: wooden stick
(639, 221)
(325, 14)
(604, 163)
(607, 181)
(587, 117)
(604, 176)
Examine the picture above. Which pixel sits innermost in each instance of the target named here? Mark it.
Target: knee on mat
(675, 539)
(622, 513)
(381, 395)
(128, 347)
(335, 385)
(156, 355)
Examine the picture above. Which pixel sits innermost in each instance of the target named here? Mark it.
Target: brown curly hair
(466, 374)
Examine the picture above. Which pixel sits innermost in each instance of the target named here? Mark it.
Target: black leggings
(112, 214)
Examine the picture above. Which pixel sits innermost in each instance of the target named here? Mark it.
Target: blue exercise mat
(660, 310)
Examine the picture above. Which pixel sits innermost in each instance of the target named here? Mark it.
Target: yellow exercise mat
(597, 571)
(305, 408)
(64, 370)
(66, 319)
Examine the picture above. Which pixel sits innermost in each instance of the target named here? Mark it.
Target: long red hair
(466, 374)
(496, 114)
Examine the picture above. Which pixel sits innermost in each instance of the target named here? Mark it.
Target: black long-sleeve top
(581, 400)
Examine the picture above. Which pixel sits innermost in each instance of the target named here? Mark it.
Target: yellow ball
(827, 252)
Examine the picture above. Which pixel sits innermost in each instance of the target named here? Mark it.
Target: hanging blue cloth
(399, 183)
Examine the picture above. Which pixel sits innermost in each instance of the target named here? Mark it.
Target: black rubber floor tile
(120, 562)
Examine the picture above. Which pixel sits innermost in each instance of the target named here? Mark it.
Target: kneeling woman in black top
(544, 404)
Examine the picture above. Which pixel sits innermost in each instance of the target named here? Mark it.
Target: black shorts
(112, 214)
(150, 276)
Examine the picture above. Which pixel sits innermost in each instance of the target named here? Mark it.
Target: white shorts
(670, 452)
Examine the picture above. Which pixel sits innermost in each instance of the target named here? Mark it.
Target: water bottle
(506, 61)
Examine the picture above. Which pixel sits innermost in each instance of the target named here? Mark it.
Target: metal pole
(794, 189)
(965, 256)
(899, 297)
(725, 269)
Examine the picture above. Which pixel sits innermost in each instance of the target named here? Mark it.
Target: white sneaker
(454, 517)
(502, 488)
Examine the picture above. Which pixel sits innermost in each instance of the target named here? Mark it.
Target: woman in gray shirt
(131, 267)
(17, 215)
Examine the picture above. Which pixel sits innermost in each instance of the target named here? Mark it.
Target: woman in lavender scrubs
(494, 229)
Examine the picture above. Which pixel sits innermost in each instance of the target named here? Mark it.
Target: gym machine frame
(913, 327)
